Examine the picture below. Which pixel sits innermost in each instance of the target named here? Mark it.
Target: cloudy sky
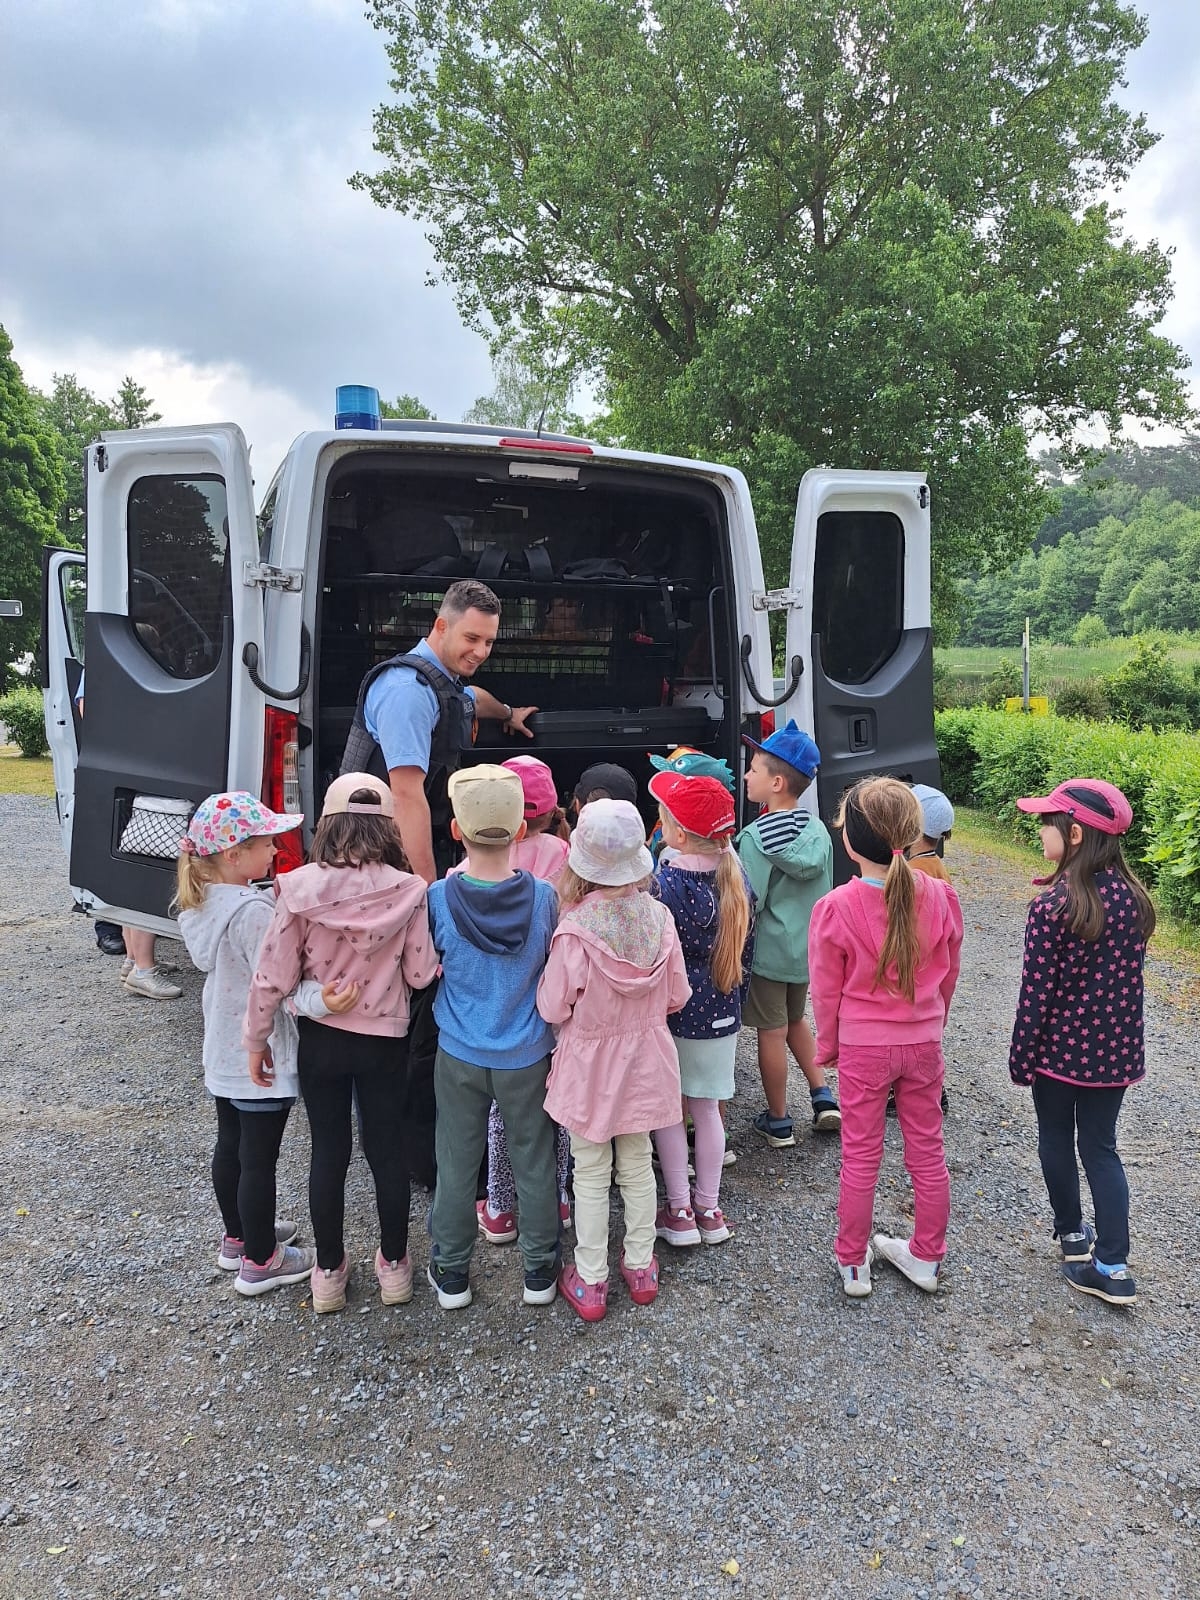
(173, 203)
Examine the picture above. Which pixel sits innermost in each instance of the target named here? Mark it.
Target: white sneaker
(154, 985)
(923, 1273)
(126, 968)
(856, 1281)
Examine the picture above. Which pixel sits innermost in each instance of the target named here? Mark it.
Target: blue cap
(793, 745)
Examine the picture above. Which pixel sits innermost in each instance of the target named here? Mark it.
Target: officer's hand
(516, 723)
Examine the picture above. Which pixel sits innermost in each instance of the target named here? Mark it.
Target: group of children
(589, 1002)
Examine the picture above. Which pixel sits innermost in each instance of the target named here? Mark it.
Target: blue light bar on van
(356, 405)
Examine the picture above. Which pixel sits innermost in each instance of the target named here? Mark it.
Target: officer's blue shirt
(401, 712)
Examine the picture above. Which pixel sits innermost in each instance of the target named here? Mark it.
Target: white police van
(224, 647)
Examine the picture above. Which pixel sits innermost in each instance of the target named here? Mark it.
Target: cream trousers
(593, 1179)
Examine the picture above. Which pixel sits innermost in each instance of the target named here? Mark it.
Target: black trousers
(337, 1068)
(243, 1174)
(1067, 1113)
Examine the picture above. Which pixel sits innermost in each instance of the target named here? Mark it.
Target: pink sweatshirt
(615, 1068)
(366, 925)
(845, 936)
(543, 854)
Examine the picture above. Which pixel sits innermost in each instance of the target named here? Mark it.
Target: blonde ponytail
(733, 909)
(192, 878)
(902, 945)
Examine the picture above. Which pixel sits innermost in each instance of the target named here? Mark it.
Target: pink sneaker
(712, 1225)
(395, 1279)
(329, 1288)
(588, 1300)
(677, 1225)
(496, 1230)
(229, 1257)
(642, 1281)
(288, 1264)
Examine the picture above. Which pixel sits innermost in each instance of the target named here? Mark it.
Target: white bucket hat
(609, 845)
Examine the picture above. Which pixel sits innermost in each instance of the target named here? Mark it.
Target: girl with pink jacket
(883, 956)
(614, 974)
(357, 918)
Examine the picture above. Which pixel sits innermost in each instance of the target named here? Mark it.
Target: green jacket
(786, 886)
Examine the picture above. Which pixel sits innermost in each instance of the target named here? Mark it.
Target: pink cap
(1090, 801)
(537, 784)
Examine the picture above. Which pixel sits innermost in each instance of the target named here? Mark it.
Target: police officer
(414, 718)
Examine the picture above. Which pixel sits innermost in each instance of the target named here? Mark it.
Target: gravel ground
(161, 1437)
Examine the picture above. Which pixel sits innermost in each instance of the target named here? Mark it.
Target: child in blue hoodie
(492, 928)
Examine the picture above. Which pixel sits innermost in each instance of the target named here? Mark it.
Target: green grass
(25, 774)
(1053, 663)
(1176, 941)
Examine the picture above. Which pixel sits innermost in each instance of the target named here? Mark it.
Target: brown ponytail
(881, 818)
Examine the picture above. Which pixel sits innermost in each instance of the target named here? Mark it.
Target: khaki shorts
(771, 1004)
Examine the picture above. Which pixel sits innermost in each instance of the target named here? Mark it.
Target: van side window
(858, 592)
(179, 581)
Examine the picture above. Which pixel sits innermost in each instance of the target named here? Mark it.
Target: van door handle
(860, 733)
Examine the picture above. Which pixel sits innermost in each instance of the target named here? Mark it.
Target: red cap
(1090, 801)
(702, 806)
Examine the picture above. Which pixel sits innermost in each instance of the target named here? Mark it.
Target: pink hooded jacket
(845, 936)
(615, 1068)
(366, 925)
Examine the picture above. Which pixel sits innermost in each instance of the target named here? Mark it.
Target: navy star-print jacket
(1079, 1015)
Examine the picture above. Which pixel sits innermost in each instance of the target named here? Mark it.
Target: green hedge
(991, 758)
(24, 717)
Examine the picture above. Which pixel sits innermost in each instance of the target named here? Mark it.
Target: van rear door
(860, 617)
(170, 710)
(64, 579)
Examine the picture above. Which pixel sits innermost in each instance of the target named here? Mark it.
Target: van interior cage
(559, 646)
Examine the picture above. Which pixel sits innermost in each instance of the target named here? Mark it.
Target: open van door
(64, 598)
(860, 616)
(170, 714)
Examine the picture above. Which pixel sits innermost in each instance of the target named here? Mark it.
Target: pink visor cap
(1090, 801)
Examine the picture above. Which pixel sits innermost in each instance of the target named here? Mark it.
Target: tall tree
(76, 417)
(132, 407)
(31, 490)
(864, 231)
(406, 406)
(526, 393)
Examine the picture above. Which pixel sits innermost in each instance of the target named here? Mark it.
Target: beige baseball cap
(488, 804)
(337, 796)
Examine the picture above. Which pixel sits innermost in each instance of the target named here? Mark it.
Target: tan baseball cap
(337, 796)
(488, 804)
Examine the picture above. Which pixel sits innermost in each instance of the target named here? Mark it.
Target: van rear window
(179, 581)
(858, 592)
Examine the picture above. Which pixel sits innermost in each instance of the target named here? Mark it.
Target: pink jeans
(865, 1074)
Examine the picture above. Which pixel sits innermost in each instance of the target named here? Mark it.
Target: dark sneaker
(945, 1104)
(891, 1103)
(1118, 1288)
(453, 1288)
(777, 1131)
(1078, 1246)
(541, 1285)
(827, 1117)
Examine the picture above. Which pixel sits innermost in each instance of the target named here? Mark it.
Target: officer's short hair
(468, 594)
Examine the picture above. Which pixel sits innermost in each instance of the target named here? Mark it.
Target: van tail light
(767, 725)
(281, 781)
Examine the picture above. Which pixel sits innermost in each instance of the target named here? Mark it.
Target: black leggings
(243, 1174)
(1064, 1110)
(336, 1067)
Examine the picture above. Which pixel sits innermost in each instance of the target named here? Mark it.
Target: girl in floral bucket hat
(1078, 1039)
(223, 918)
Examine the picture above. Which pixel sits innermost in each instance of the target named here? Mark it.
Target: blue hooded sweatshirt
(493, 940)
